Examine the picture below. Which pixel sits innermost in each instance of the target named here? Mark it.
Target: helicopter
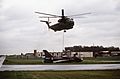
(64, 23)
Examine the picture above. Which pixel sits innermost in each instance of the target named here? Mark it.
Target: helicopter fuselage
(65, 24)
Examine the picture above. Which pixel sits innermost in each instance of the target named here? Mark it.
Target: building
(80, 54)
(115, 53)
(104, 53)
(86, 54)
(94, 51)
(29, 55)
(38, 54)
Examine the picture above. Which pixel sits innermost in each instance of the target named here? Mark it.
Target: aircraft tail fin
(2, 58)
(47, 54)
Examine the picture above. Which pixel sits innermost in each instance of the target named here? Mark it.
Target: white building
(38, 54)
(82, 54)
(115, 53)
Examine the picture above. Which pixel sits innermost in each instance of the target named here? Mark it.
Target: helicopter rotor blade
(48, 17)
(47, 14)
(79, 14)
(78, 17)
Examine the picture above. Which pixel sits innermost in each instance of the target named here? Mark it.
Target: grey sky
(21, 31)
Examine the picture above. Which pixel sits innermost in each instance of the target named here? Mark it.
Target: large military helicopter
(64, 23)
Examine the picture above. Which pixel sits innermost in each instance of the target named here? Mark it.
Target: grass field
(106, 74)
(98, 60)
(12, 61)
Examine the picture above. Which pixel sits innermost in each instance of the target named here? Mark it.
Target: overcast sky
(21, 31)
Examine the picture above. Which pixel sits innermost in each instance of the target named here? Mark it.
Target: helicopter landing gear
(64, 30)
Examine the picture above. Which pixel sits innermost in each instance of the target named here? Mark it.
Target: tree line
(91, 48)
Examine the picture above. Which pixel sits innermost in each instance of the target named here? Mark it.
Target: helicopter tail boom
(46, 23)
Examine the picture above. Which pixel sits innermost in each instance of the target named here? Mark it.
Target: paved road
(60, 67)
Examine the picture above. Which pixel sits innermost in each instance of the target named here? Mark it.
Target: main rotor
(57, 16)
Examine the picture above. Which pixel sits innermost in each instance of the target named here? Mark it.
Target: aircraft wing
(59, 61)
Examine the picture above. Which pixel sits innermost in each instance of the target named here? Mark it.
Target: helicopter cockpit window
(71, 19)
